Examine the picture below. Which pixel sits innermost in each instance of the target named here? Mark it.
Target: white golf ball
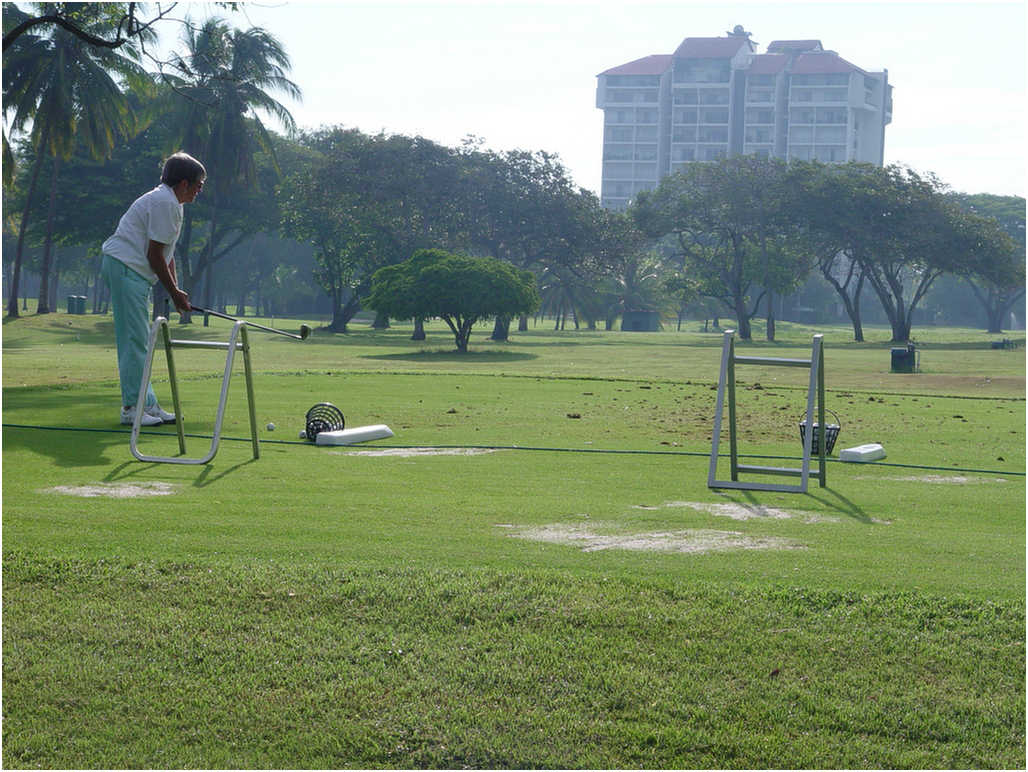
(303, 434)
(271, 427)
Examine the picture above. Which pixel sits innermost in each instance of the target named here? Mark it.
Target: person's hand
(181, 301)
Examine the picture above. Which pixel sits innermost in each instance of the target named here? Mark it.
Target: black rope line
(609, 451)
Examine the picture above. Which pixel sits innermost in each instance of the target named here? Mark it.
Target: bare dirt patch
(413, 452)
(736, 511)
(595, 537)
(116, 490)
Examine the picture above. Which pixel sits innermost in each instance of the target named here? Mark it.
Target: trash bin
(80, 304)
(72, 304)
(903, 359)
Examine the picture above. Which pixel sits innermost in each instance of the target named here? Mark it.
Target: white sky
(523, 74)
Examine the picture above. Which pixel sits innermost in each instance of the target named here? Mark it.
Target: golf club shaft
(200, 310)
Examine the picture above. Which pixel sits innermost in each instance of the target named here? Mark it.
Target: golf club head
(305, 332)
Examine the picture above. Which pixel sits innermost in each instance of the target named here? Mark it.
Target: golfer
(140, 253)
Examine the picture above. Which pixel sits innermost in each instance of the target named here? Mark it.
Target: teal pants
(130, 304)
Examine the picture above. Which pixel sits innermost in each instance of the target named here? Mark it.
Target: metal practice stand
(816, 390)
(237, 340)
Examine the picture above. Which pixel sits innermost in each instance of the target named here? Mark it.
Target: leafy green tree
(226, 81)
(732, 225)
(370, 201)
(998, 281)
(69, 92)
(460, 290)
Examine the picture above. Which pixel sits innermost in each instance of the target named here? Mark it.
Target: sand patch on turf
(595, 537)
(736, 511)
(116, 490)
(412, 452)
(941, 479)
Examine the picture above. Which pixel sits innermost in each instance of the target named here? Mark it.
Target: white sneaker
(129, 413)
(157, 411)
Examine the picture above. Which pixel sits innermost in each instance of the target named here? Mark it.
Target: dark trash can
(903, 359)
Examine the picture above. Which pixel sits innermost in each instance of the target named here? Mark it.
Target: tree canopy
(459, 289)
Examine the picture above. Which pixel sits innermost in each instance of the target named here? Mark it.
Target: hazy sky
(523, 74)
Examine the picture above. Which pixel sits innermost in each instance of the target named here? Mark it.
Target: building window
(683, 134)
(801, 152)
(617, 171)
(618, 116)
(758, 134)
(801, 115)
(685, 116)
(633, 80)
(830, 153)
(646, 134)
(760, 95)
(832, 114)
(714, 116)
(702, 70)
(761, 151)
(646, 172)
(645, 152)
(683, 153)
(830, 135)
(713, 96)
(619, 95)
(822, 79)
(617, 152)
(646, 116)
(801, 134)
(831, 95)
(617, 134)
(712, 134)
(714, 153)
(759, 116)
(685, 96)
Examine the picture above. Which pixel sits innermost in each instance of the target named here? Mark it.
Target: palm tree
(68, 91)
(227, 78)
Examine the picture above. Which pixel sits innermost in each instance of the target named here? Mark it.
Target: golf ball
(271, 427)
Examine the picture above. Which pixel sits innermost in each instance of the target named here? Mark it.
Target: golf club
(305, 331)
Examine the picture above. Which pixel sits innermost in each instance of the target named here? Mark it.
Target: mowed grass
(583, 600)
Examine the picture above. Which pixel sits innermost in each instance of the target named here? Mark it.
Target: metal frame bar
(726, 386)
(237, 341)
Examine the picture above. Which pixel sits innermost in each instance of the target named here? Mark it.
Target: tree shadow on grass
(470, 357)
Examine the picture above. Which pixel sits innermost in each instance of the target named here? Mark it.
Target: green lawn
(551, 584)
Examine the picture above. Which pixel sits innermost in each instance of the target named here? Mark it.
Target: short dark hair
(182, 166)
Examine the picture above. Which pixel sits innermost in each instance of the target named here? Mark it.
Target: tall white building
(715, 97)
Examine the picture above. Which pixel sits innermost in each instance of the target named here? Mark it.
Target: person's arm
(166, 274)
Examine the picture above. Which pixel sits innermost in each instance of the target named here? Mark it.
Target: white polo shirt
(154, 216)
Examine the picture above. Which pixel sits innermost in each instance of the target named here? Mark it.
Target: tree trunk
(44, 272)
(743, 319)
(419, 329)
(501, 328)
(381, 322)
(523, 323)
(12, 304)
(770, 316)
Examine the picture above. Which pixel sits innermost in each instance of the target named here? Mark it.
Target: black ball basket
(831, 435)
(324, 417)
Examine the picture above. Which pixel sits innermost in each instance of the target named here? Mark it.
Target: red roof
(711, 48)
(768, 64)
(656, 64)
(777, 46)
(829, 61)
